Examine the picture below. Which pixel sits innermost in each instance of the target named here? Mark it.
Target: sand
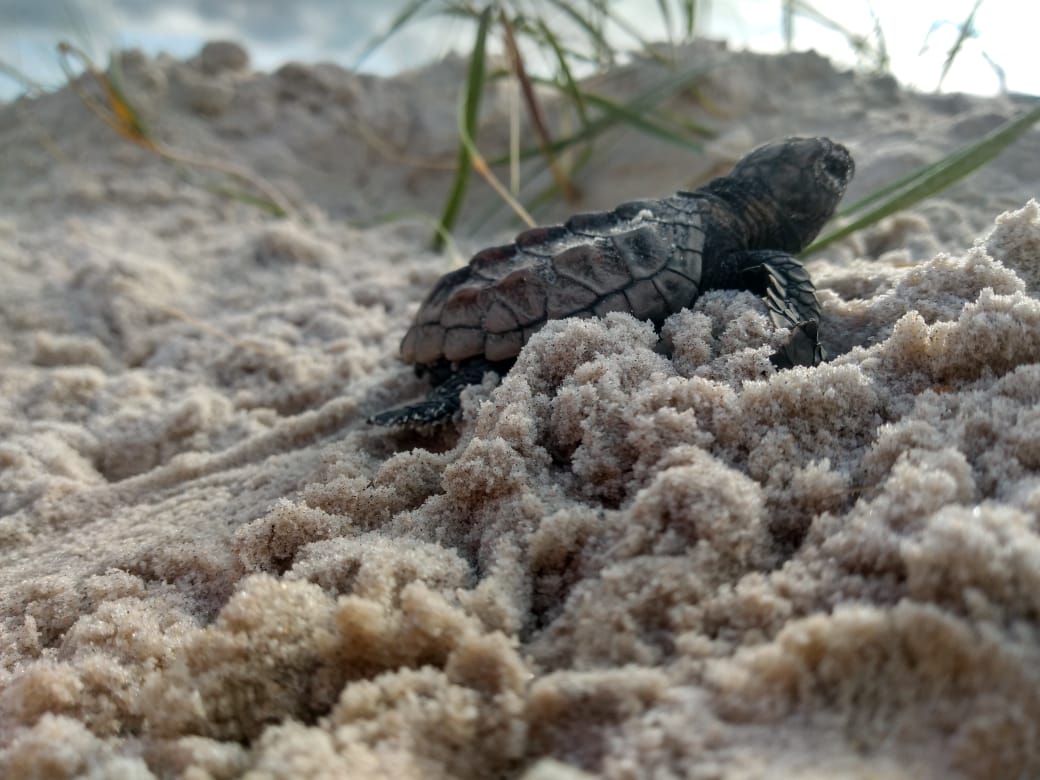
(638, 555)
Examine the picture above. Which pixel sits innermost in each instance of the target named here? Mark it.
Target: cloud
(273, 21)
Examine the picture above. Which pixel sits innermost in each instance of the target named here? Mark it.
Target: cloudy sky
(276, 31)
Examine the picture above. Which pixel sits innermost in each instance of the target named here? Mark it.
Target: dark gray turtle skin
(650, 258)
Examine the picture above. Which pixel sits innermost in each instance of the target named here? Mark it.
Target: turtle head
(789, 189)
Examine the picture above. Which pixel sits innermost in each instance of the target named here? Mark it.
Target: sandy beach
(639, 554)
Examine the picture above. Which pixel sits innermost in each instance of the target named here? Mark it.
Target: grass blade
(787, 23)
(690, 12)
(964, 31)
(569, 84)
(641, 121)
(468, 129)
(874, 54)
(666, 17)
(882, 62)
(406, 14)
(599, 42)
(899, 184)
(117, 112)
(481, 167)
(535, 113)
(603, 8)
(644, 102)
(628, 28)
(935, 177)
(123, 118)
(30, 87)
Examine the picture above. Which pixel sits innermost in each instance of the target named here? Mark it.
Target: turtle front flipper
(790, 294)
(443, 400)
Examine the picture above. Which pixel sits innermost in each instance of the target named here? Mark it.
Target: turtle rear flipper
(803, 348)
(442, 401)
(788, 291)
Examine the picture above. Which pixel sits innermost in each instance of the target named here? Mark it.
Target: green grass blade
(595, 35)
(249, 199)
(683, 123)
(551, 192)
(534, 112)
(569, 84)
(899, 184)
(690, 12)
(937, 176)
(666, 17)
(460, 10)
(629, 29)
(640, 120)
(406, 14)
(644, 102)
(471, 110)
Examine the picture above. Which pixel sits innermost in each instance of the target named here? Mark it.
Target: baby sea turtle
(648, 257)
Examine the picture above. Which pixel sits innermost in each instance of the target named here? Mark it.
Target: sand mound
(622, 561)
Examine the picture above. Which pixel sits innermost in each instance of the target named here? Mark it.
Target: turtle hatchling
(650, 258)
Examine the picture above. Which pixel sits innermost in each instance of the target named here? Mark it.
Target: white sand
(619, 562)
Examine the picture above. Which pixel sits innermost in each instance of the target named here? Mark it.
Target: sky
(916, 35)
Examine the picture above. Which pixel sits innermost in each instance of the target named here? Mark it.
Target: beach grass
(537, 25)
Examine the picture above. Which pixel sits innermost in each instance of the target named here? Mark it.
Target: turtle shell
(643, 257)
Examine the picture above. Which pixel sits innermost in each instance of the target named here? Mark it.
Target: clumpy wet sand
(639, 555)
